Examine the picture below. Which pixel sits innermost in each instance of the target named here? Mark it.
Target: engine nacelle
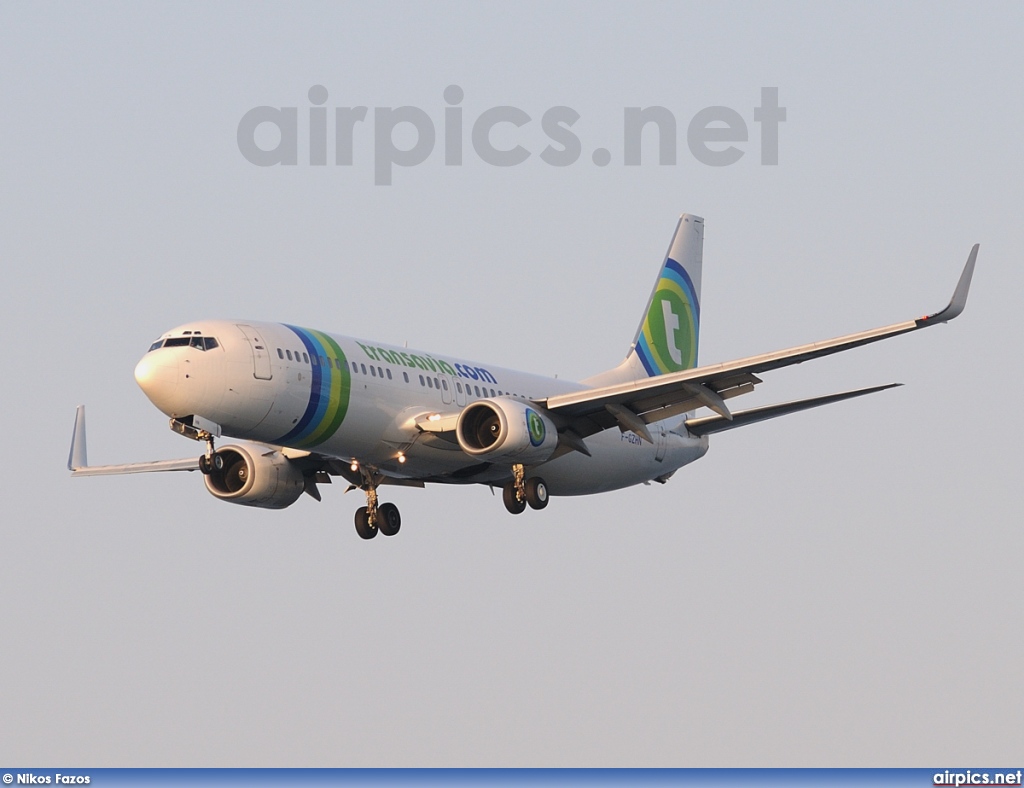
(267, 480)
(504, 429)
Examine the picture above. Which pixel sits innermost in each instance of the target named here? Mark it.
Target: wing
(316, 468)
(710, 424)
(635, 404)
(78, 462)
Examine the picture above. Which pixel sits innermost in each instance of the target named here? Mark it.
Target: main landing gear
(520, 492)
(374, 517)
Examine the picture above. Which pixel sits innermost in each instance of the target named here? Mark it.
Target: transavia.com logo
(269, 136)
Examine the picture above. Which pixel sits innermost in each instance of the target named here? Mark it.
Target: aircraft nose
(157, 376)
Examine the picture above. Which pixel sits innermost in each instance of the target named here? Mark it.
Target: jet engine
(268, 480)
(503, 428)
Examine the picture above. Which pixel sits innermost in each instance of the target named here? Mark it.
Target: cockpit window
(196, 341)
(204, 343)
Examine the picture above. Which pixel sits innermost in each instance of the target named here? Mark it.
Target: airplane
(312, 405)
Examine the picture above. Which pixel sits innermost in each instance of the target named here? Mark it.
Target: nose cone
(157, 375)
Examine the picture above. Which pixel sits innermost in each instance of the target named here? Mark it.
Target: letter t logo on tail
(666, 340)
(671, 326)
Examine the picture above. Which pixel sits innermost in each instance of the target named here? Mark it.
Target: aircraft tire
(363, 527)
(389, 520)
(204, 465)
(536, 493)
(514, 505)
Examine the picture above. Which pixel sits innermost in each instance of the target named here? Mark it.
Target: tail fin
(667, 338)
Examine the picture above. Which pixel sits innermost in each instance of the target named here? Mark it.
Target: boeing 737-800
(312, 405)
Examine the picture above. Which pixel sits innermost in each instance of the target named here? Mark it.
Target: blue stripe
(692, 778)
(683, 280)
(318, 399)
(644, 354)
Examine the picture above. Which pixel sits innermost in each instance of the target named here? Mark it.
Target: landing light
(434, 417)
(401, 457)
(354, 466)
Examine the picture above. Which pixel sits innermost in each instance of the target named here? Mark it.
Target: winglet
(77, 458)
(959, 300)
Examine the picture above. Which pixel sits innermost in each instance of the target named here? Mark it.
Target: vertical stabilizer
(667, 338)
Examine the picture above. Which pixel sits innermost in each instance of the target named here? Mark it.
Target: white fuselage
(360, 401)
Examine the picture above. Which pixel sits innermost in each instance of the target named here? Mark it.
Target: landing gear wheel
(218, 462)
(204, 465)
(536, 493)
(363, 527)
(388, 519)
(513, 503)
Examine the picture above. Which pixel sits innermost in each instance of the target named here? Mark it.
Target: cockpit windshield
(198, 342)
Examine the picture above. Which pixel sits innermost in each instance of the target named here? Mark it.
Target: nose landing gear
(211, 461)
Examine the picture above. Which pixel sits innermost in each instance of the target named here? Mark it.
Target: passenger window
(430, 383)
(373, 371)
(458, 387)
(362, 367)
(289, 354)
(477, 388)
(380, 372)
(280, 353)
(305, 358)
(337, 363)
(444, 384)
(312, 360)
(389, 373)
(406, 376)
(422, 381)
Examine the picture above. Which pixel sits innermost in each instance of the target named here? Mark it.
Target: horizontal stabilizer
(710, 424)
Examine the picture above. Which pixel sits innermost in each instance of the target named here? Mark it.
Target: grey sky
(840, 587)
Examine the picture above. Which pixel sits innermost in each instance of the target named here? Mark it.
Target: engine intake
(505, 428)
(268, 481)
